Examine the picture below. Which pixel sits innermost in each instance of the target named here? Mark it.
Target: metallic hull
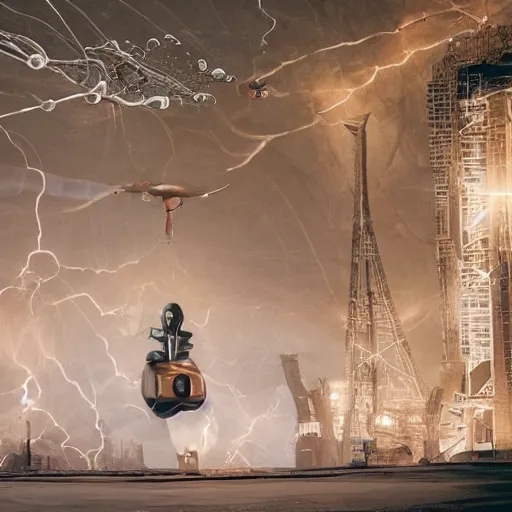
(159, 391)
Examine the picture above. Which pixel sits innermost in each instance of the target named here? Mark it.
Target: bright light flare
(384, 420)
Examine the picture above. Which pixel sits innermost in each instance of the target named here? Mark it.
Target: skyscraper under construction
(470, 120)
(385, 398)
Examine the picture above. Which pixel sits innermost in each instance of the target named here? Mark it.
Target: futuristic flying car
(171, 381)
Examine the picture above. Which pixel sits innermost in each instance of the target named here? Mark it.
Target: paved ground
(484, 488)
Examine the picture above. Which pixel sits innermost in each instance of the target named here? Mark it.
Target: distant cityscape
(19, 452)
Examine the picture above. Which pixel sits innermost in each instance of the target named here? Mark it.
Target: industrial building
(470, 122)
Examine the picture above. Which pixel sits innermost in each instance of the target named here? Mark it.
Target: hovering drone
(258, 90)
(171, 381)
(172, 196)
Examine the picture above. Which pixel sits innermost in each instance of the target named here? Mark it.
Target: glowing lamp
(384, 421)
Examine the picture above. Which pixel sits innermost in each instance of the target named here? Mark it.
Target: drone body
(171, 381)
(258, 90)
(170, 387)
(172, 196)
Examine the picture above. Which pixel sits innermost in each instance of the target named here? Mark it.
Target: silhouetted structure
(118, 456)
(188, 461)
(28, 451)
(317, 437)
(19, 452)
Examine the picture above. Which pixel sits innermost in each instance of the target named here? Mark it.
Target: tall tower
(386, 396)
(469, 114)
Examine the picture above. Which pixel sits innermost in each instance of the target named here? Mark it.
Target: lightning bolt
(264, 140)
(204, 439)
(31, 405)
(39, 250)
(27, 275)
(235, 453)
(242, 440)
(379, 69)
(357, 42)
(92, 405)
(273, 20)
(237, 398)
(3, 460)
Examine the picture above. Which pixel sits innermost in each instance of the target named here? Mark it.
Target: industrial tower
(319, 418)
(470, 120)
(385, 393)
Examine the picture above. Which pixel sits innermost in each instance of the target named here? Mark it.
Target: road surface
(479, 487)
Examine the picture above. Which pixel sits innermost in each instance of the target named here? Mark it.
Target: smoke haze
(259, 269)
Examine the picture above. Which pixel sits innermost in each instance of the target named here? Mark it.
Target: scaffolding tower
(385, 393)
(469, 117)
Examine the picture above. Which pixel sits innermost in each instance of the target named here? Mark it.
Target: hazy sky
(259, 269)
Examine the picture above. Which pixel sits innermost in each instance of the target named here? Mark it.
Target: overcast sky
(259, 269)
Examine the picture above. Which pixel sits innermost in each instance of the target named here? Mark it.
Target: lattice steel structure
(386, 395)
(469, 114)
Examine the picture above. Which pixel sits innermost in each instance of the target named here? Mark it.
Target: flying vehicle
(171, 382)
(16, 180)
(258, 90)
(172, 196)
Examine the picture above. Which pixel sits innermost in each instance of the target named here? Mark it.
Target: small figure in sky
(172, 197)
(16, 180)
(258, 90)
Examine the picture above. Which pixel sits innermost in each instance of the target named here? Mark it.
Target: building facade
(469, 114)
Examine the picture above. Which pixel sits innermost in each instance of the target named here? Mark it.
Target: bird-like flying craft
(172, 196)
(17, 180)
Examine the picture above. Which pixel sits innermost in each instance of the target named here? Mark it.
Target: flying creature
(16, 180)
(172, 197)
